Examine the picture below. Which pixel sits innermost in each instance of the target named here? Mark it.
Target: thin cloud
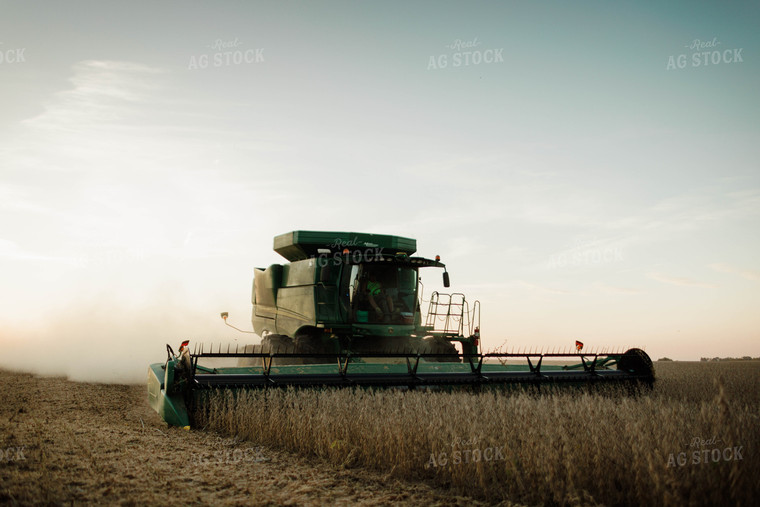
(11, 250)
(112, 163)
(541, 288)
(682, 281)
(103, 92)
(749, 274)
(609, 289)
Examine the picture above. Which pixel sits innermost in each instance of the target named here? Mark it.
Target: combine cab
(346, 311)
(352, 292)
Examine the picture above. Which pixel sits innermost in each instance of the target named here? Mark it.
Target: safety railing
(451, 314)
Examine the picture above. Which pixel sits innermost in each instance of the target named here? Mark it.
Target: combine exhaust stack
(345, 312)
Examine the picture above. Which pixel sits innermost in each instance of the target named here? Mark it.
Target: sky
(586, 170)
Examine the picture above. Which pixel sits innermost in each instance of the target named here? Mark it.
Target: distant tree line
(743, 358)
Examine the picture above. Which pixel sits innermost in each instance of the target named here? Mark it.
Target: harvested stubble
(563, 447)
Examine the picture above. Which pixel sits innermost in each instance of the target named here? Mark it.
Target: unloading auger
(345, 312)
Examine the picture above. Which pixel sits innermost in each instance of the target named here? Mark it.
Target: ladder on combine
(451, 315)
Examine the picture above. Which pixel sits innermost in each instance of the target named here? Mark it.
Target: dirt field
(66, 442)
(691, 441)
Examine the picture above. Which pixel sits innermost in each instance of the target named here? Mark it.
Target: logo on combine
(699, 456)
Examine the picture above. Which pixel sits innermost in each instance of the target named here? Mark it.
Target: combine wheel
(637, 362)
(276, 343)
(308, 344)
(439, 345)
(279, 344)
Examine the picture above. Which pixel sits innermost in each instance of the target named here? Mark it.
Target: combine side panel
(265, 293)
(295, 298)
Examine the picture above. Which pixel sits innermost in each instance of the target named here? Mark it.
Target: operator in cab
(378, 298)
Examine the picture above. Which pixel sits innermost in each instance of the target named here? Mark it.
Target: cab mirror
(446, 282)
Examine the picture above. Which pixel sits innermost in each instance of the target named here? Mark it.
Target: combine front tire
(439, 345)
(308, 344)
(279, 344)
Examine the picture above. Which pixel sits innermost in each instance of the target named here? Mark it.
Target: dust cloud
(107, 342)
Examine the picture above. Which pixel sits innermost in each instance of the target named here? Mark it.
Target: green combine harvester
(346, 311)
